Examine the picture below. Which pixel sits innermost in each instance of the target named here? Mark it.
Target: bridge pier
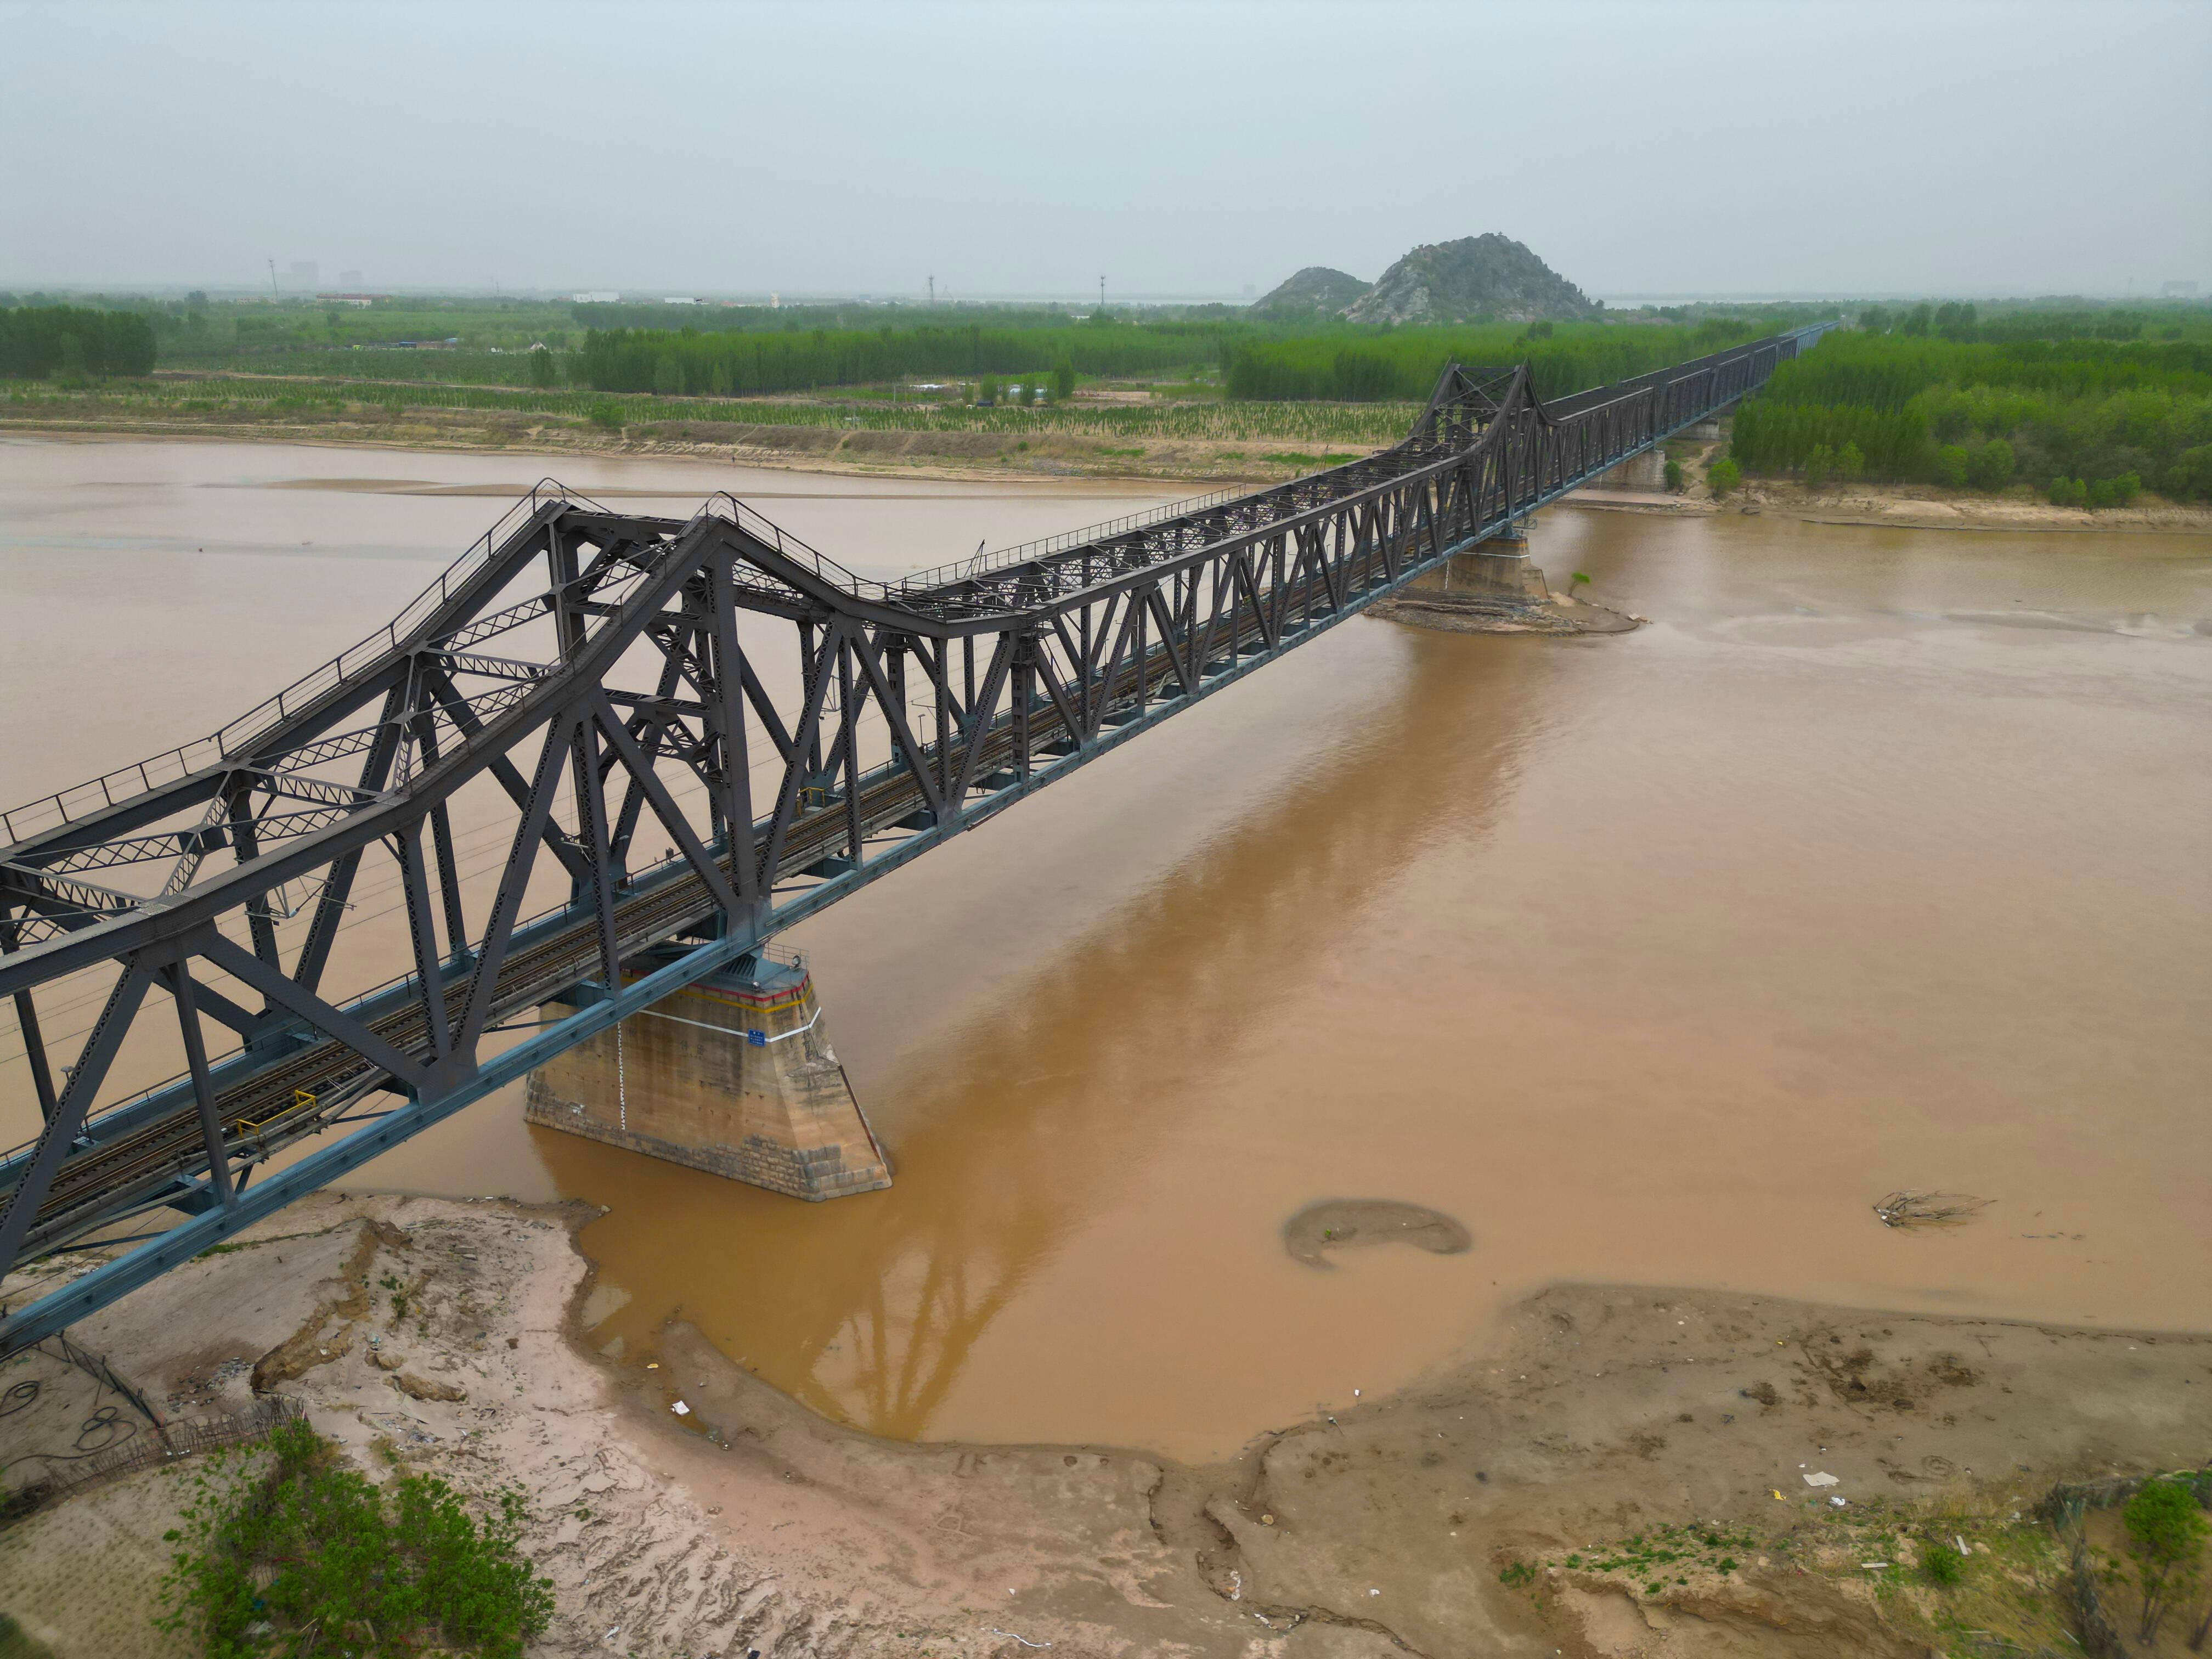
(1645, 472)
(1498, 566)
(732, 1074)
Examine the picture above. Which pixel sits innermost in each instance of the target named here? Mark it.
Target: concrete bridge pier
(1498, 566)
(1647, 471)
(733, 1074)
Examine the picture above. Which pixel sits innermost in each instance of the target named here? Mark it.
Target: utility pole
(1102, 292)
(932, 290)
(273, 293)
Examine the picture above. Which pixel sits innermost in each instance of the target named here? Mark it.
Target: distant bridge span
(578, 686)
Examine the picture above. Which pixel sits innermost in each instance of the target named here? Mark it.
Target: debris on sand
(1929, 1209)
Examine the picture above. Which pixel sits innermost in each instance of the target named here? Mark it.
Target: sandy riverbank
(1213, 463)
(1591, 1413)
(1896, 506)
(847, 452)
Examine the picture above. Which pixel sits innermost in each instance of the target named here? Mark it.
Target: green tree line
(1402, 364)
(738, 363)
(856, 316)
(1962, 321)
(37, 341)
(2089, 422)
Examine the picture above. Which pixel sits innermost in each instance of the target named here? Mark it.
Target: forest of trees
(2089, 420)
(1960, 321)
(1402, 364)
(39, 341)
(739, 362)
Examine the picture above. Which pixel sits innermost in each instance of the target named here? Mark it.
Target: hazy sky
(1027, 147)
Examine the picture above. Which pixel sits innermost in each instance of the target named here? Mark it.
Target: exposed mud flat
(1350, 1224)
(749, 1523)
(1459, 613)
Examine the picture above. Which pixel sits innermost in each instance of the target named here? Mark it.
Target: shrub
(1941, 1564)
(1951, 466)
(311, 1545)
(1724, 476)
(2166, 1530)
(1674, 475)
(1991, 467)
(607, 414)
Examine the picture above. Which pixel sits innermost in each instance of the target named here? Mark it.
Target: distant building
(684, 300)
(306, 276)
(362, 301)
(2180, 290)
(349, 279)
(597, 296)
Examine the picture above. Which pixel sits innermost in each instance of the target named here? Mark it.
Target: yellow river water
(1881, 859)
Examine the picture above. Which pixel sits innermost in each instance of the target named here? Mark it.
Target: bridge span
(687, 735)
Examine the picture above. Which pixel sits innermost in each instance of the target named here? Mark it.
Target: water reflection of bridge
(697, 731)
(872, 1309)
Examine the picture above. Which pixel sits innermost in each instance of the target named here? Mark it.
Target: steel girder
(901, 713)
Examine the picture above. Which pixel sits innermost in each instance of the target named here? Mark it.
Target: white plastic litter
(1822, 1479)
(681, 1409)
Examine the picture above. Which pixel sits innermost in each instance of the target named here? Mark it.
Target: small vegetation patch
(299, 1553)
(1657, 1554)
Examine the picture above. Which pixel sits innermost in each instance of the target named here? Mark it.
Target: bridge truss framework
(700, 731)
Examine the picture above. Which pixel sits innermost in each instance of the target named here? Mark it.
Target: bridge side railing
(50, 812)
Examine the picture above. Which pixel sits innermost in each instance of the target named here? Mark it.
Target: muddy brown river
(1881, 859)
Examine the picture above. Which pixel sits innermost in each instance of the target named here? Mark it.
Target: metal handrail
(66, 805)
(961, 569)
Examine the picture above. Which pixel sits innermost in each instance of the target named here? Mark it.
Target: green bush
(608, 414)
(1991, 467)
(2165, 1532)
(310, 1552)
(1673, 476)
(1951, 466)
(1724, 476)
(1941, 1564)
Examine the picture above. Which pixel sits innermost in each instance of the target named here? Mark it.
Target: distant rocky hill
(1315, 288)
(1489, 275)
(1478, 278)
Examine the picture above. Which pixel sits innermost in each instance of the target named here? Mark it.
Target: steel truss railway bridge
(688, 735)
